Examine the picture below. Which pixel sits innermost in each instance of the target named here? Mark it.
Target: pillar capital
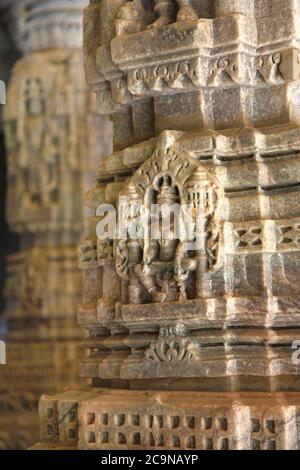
(50, 24)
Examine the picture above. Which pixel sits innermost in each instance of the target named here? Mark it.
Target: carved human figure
(156, 271)
(47, 133)
(134, 15)
(198, 251)
(128, 249)
(166, 9)
(171, 262)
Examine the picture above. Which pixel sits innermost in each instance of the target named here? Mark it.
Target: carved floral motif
(173, 347)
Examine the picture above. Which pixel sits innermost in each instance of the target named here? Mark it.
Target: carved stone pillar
(195, 348)
(54, 139)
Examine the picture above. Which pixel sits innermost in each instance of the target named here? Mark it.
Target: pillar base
(107, 419)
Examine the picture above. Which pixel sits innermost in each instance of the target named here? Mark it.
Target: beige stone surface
(192, 345)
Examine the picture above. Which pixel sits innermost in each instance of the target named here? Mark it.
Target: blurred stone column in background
(10, 52)
(53, 138)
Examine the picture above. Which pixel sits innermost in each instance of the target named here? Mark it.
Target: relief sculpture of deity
(156, 271)
(167, 260)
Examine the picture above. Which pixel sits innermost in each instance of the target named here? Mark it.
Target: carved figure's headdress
(167, 193)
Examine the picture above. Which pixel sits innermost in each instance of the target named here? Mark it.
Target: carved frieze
(205, 55)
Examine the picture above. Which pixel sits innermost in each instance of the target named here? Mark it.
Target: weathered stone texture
(206, 112)
(133, 420)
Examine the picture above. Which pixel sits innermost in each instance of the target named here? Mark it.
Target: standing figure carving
(136, 14)
(169, 258)
(156, 271)
(166, 10)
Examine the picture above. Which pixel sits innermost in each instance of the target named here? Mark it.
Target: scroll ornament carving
(173, 347)
(177, 75)
(268, 69)
(198, 72)
(37, 134)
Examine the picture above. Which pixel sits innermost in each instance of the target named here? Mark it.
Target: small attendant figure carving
(156, 272)
(166, 9)
(134, 15)
(131, 18)
(199, 252)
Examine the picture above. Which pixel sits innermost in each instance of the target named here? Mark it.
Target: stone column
(194, 349)
(54, 139)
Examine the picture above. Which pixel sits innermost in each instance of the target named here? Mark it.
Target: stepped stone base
(106, 419)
